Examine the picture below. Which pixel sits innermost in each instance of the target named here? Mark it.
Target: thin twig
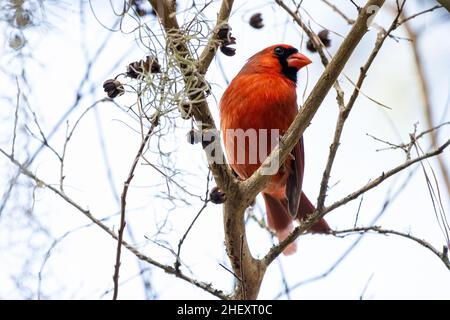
(48, 253)
(208, 53)
(418, 14)
(180, 243)
(69, 137)
(168, 269)
(339, 12)
(230, 271)
(387, 202)
(361, 296)
(314, 217)
(286, 288)
(445, 4)
(386, 175)
(318, 45)
(123, 202)
(343, 113)
(435, 197)
(442, 256)
(16, 117)
(78, 95)
(145, 276)
(186, 63)
(428, 110)
(359, 209)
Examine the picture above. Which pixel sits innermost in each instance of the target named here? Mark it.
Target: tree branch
(234, 208)
(339, 12)
(317, 215)
(168, 269)
(318, 45)
(404, 19)
(123, 201)
(389, 199)
(445, 4)
(344, 112)
(443, 256)
(428, 110)
(201, 112)
(209, 52)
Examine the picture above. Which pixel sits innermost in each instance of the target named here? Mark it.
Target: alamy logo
(250, 146)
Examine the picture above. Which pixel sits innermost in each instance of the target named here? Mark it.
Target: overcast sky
(81, 265)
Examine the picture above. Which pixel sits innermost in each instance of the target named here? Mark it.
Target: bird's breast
(259, 102)
(255, 111)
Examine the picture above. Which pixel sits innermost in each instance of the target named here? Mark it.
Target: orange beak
(298, 61)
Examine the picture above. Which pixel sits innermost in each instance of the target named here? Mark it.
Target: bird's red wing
(295, 179)
(298, 204)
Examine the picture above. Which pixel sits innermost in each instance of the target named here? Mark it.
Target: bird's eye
(279, 51)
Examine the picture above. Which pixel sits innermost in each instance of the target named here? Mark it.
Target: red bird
(263, 96)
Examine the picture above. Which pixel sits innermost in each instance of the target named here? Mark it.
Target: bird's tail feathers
(279, 220)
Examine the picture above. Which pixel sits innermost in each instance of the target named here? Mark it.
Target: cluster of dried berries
(17, 41)
(22, 18)
(135, 70)
(226, 39)
(256, 21)
(217, 196)
(138, 69)
(19, 17)
(323, 36)
(113, 88)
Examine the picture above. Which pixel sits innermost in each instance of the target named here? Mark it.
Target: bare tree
(170, 89)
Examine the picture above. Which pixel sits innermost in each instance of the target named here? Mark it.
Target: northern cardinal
(263, 96)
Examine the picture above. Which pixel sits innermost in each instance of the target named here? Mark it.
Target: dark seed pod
(152, 65)
(226, 39)
(194, 136)
(232, 40)
(217, 196)
(323, 36)
(224, 32)
(17, 41)
(113, 88)
(228, 51)
(23, 18)
(310, 46)
(137, 69)
(256, 21)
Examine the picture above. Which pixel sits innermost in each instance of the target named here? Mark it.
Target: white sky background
(81, 265)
